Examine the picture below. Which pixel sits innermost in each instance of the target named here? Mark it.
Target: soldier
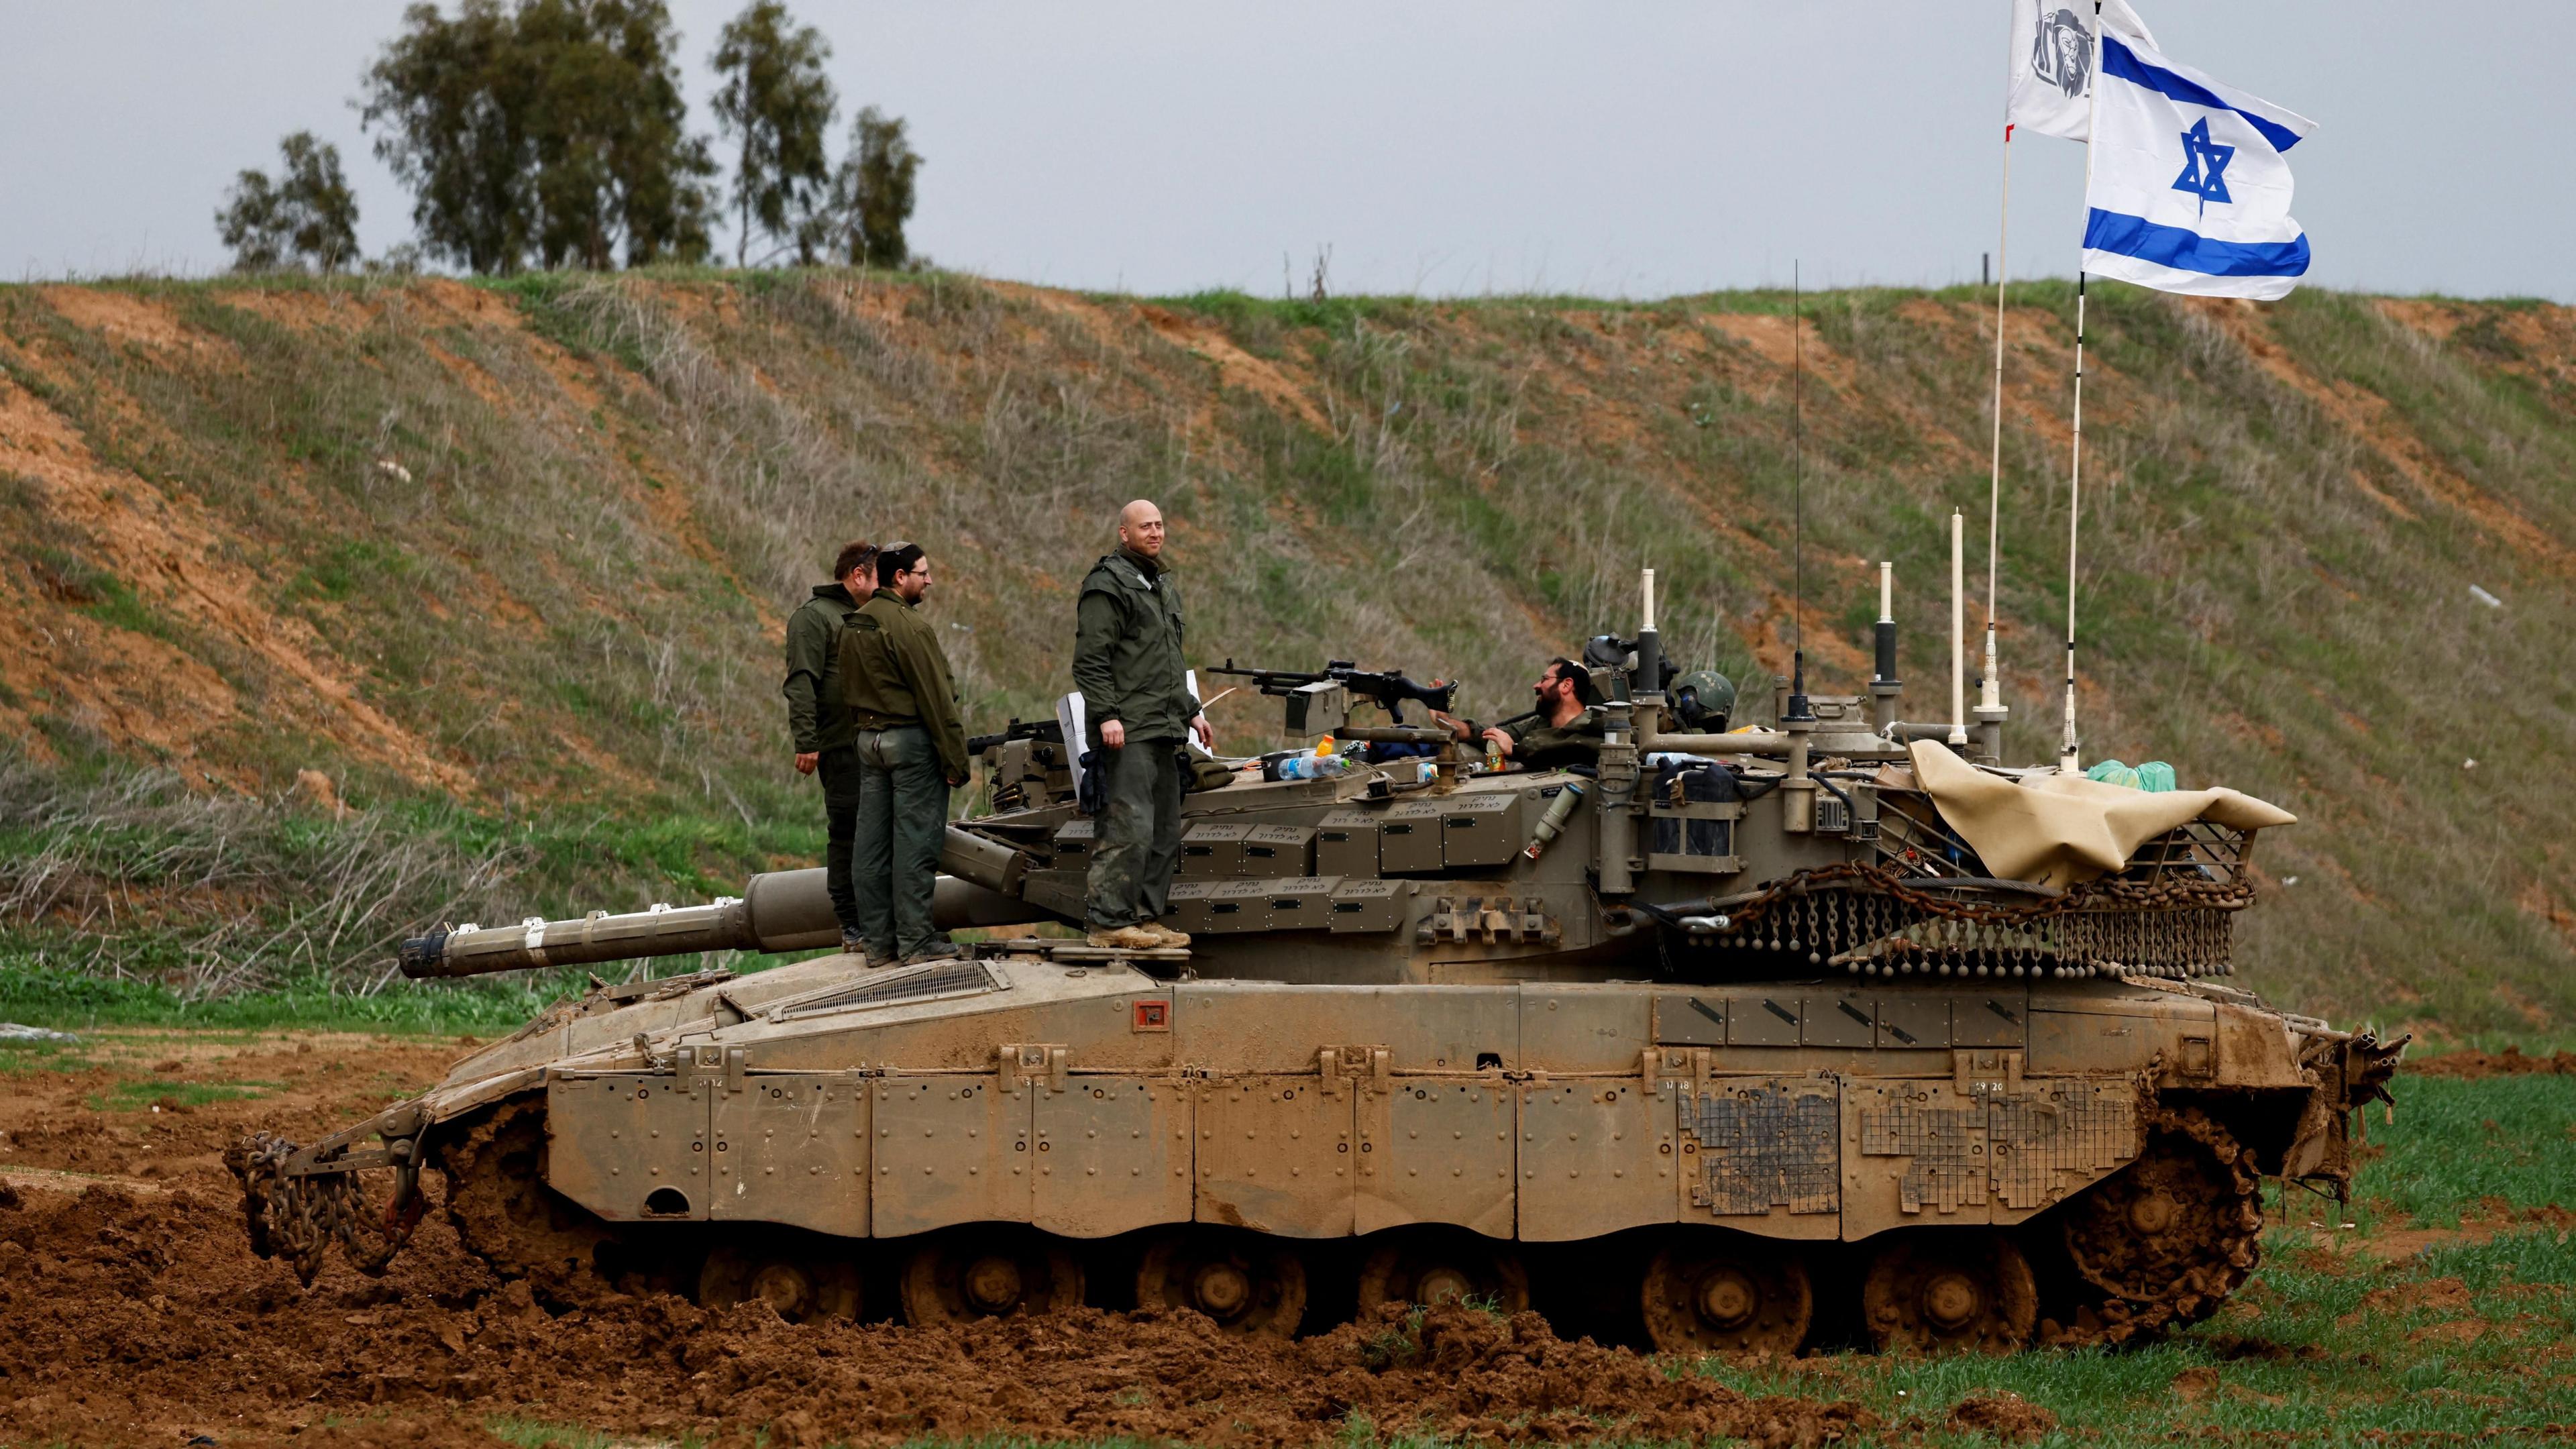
(819, 724)
(910, 739)
(1564, 729)
(1703, 701)
(1136, 699)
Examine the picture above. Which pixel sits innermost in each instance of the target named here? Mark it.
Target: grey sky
(1635, 149)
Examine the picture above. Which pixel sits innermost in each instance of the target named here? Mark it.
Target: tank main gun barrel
(788, 910)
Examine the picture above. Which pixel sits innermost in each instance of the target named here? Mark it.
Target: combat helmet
(1703, 700)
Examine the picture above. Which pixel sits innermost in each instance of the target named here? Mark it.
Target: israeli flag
(2190, 181)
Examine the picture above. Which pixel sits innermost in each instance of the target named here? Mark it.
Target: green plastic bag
(2156, 776)
(2112, 772)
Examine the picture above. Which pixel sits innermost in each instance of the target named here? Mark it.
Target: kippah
(894, 558)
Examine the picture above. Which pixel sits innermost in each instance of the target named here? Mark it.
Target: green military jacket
(894, 673)
(1538, 745)
(1127, 650)
(815, 715)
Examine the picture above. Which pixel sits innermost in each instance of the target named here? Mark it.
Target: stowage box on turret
(1831, 1026)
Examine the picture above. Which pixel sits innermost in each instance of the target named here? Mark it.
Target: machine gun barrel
(1390, 688)
(789, 910)
(1049, 730)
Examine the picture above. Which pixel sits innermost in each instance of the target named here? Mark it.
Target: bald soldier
(1140, 714)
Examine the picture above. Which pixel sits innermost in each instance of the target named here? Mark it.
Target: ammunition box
(1408, 838)
(1299, 903)
(1190, 899)
(1481, 830)
(1211, 852)
(1239, 905)
(1370, 905)
(1276, 850)
(1346, 845)
(1073, 842)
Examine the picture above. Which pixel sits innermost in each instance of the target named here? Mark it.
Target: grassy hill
(498, 572)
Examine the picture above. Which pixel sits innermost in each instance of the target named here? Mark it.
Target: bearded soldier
(910, 737)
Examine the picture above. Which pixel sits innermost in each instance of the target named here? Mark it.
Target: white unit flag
(2051, 61)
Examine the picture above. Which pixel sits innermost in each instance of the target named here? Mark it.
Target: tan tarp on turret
(2063, 830)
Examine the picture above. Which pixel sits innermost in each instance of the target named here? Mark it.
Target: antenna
(1798, 706)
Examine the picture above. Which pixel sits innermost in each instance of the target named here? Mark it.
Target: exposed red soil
(143, 1319)
(137, 1315)
(2511, 1062)
(2003, 1414)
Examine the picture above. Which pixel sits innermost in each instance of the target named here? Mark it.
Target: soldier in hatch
(910, 739)
(1564, 729)
(1139, 713)
(818, 723)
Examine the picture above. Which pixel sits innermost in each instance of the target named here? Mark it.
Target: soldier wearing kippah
(910, 736)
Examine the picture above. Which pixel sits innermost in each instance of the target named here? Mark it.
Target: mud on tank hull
(1722, 1167)
(1866, 1091)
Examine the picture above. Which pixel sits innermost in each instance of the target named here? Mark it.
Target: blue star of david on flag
(2204, 166)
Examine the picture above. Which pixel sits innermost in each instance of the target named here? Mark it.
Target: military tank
(1832, 1029)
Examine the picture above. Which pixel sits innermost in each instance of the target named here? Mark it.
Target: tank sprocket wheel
(2167, 1238)
(987, 1270)
(1250, 1285)
(1713, 1291)
(799, 1286)
(504, 1212)
(1949, 1290)
(1443, 1267)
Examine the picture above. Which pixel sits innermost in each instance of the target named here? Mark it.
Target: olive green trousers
(1140, 834)
(902, 822)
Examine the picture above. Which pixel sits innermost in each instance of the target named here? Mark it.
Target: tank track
(2160, 1245)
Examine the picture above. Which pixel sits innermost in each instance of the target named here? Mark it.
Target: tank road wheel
(1948, 1290)
(1444, 1267)
(2168, 1237)
(801, 1287)
(1248, 1284)
(1715, 1291)
(988, 1270)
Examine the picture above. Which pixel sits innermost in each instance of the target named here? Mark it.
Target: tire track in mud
(144, 1319)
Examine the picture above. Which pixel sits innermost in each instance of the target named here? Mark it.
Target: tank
(1831, 1030)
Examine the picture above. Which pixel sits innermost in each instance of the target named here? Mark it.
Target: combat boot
(1165, 934)
(1125, 938)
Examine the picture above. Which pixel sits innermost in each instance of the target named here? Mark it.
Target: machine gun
(1047, 730)
(1300, 688)
(1025, 764)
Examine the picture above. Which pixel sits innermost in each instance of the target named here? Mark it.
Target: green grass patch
(2459, 1145)
(142, 1094)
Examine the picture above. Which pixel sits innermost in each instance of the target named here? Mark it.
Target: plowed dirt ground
(131, 1312)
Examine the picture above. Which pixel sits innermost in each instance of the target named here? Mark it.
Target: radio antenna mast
(1798, 707)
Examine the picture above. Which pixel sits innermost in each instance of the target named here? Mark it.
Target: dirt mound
(2004, 1414)
(143, 1319)
(2437, 1295)
(2511, 1062)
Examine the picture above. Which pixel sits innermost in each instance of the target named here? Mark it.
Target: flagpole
(1990, 690)
(2068, 755)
